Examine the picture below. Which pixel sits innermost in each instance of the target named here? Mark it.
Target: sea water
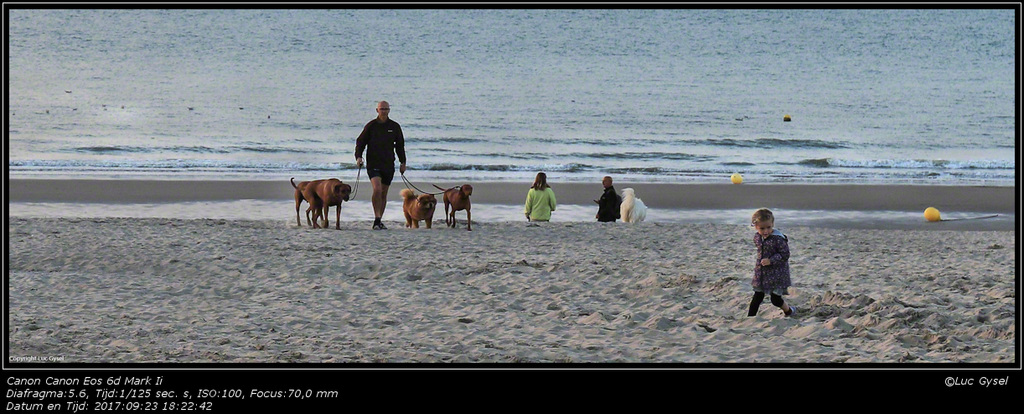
(888, 96)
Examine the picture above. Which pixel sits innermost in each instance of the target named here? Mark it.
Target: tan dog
(321, 196)
(417, 208)
(458, 198)
(300, 196)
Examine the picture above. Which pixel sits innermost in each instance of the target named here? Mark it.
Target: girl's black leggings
(755, 302)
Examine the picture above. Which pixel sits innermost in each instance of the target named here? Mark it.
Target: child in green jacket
(540, 201)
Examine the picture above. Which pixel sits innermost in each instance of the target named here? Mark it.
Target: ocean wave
(100, 149)
(169, 165)
(522, 156)
(269, 150)
(773, 143)
(593, 142)
(570, 167)
(680, 156)
(836, 170)
(230, 165)
(641, 170)
(447, 140)
(197, 149)
(266, 166)
(911, 164)
(112, 149)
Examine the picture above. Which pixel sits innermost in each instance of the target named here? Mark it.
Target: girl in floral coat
(771, 270)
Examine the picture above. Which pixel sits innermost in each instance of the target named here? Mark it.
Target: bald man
(382, 139)
(608, 206)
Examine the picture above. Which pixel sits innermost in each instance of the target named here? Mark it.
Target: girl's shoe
(792, 310)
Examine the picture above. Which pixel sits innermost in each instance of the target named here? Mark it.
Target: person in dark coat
(608, 205)
(771, 268)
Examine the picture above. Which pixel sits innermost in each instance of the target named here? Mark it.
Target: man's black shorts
(385, 174)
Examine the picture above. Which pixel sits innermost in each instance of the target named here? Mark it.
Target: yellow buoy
(786, 118)
(736, 178)
(932, 214)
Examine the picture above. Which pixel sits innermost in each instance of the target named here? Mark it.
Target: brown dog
(458, 198)
(417, 208)
(300, 196)
(321, 196)
(331, 192)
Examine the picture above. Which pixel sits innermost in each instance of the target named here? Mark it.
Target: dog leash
(409, 184)
(356, 191)
(458, 187)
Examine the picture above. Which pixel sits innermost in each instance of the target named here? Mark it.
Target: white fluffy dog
(633, 209)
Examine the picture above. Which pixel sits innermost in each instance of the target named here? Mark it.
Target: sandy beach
(188, 290)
